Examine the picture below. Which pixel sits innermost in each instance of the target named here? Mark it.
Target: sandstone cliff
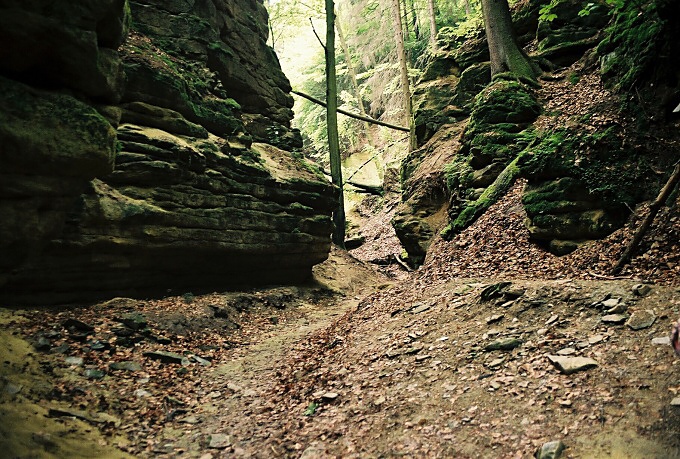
(145, 146)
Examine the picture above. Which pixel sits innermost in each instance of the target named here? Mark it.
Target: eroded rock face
(179, 181)
(50, 146)
(583, 178)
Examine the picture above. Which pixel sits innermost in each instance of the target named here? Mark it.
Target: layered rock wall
(156, 162)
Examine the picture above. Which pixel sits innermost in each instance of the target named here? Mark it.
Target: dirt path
(60, 389)
(241, 387)
(356, 367)
(412, 374)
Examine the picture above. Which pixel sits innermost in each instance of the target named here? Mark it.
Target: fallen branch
(371, 189)
(600, 276)
(403, 265)
(646, 223)
(362, 187)
(350, 114)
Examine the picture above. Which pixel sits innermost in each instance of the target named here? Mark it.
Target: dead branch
(402, 264)
(646, 223)
(350, 114)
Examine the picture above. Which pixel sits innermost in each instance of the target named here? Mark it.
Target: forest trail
(360, 366)
(463, 358)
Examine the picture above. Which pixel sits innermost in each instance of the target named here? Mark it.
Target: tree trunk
(332, 126)
(404, 19)
(506, 56)
(350, 69)
(433, 23)
(414, 20)
(405, 86)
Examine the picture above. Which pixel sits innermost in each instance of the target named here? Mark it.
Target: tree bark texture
(338, 236)
(403, 65)
(506, 56)
(433, 23)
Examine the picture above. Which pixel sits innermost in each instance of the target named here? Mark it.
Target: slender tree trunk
(350, 68)
(506, 56)
(468, 8)
(433, 23)
(271, 28)
(332, 125)
(404, 19)
(414, 20)
(405, 86)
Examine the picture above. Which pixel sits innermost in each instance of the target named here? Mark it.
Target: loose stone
(550, 450)
(614, 319)
(641, 289)
(167, 357)
(662, 341)
(219, 441)
(640, 320)
(569, 365)
(128, 366)
(503, 344)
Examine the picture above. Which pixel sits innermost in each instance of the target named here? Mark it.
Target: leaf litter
(363, 365)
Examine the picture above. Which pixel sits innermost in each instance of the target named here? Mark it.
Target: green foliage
(545, 13)
(311, 409)
(632, 44)
(587, 9)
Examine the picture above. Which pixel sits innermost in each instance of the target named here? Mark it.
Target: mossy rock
(564, 39)
(633, 44)
(606, 167)
(440, 67)
(590, 224)
(161, 118)
(472, 81)
(414, 234)
(563, 247)
(43, 133)
(581, 186)
(161, 86)
(565, 194)
(472, 51)
(505, 102)
(433, 107)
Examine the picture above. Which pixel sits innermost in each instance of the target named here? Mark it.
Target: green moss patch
(632, 44)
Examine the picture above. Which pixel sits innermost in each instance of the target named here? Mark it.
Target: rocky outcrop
(179, 179)
(583, 178)
(568, 32)
(425, 193)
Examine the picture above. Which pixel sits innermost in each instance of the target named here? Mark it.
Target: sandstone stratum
(146, 146)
